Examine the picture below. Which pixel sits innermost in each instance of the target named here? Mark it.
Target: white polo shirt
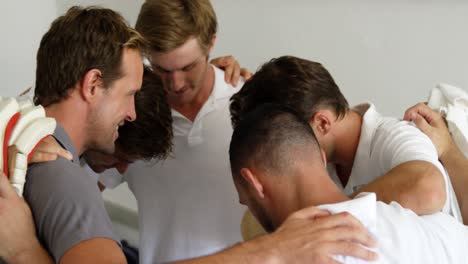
(385, 143)
(187, 204)
(402, 236)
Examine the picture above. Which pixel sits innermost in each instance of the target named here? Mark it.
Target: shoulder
(66, 204)
(221, 87)
(57, 175)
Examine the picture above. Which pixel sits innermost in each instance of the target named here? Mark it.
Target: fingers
(245, 73)
(235, 74)
(311, 212)
(415, 109)
(42, 157)
(229, 70)
(421, 123)
(6, 190)
(231, 67)
(48, 149)
(349, 233)
(348, 248)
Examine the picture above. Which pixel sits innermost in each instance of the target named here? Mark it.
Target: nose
(131, 114)
(177, 81)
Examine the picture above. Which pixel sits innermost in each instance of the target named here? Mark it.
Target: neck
(70, 116)
(317, 188)
(191, 110)
(348, 132)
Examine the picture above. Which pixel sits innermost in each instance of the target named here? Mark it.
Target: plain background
(390, 53)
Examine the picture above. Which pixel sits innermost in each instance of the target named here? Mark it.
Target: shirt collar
(221, 90)
(370, 122)
(64, 140)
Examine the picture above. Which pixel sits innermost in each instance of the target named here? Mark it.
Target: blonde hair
(168, 24)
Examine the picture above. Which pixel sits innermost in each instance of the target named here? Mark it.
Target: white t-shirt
(385, 143)
(402, 236)
(188, 205)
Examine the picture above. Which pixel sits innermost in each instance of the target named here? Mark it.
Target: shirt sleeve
(397, 142)
(67, 206)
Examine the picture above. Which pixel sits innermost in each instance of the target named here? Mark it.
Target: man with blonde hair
(186, 206)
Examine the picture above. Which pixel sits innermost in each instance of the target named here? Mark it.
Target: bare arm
(307, 236)
(416, 185)
(97, 250)
(433, 125)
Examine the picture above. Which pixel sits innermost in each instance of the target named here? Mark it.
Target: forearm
(36, 254)
(416, 185)
(252, 251)
(457, 167)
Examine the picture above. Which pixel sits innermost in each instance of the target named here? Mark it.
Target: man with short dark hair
(278, 168)
(365, 151)
(87, 77)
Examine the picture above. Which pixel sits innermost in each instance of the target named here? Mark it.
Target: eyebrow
(182, 68)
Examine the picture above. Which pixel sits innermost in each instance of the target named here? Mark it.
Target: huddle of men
(291, 123)
(279, 166)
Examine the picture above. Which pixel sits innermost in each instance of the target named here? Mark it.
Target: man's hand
(48, 150)
(232, 69)
(433, 125)
(17, 233)
(307, 236)
(314, 236)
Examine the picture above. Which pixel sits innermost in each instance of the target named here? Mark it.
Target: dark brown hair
(81, 40)
(150, 135)
(271, 138)
(302, 85)
(168, 24)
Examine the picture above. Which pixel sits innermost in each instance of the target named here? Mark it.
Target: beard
(101, 136)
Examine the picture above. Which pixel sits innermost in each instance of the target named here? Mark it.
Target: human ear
(321, 123)
(253, 182)
(90, 84)
(212, 43)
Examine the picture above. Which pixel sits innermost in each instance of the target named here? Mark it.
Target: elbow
(431, 193)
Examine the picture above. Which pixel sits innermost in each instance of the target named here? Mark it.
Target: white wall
(387, 52)
(128, 8)
(22, 24)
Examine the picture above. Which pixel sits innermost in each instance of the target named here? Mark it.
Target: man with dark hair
(87, 76)
(365, 151)
(148, 137)
(278, 168)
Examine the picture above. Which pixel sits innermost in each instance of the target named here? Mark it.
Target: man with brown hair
(186, 207)
(87, 77)
(365, 151)
(278, 168)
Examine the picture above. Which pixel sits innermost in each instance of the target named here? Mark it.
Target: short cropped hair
(81, 40)
(150, 135)
(168, 24)
(302, 85)
(271, 138)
